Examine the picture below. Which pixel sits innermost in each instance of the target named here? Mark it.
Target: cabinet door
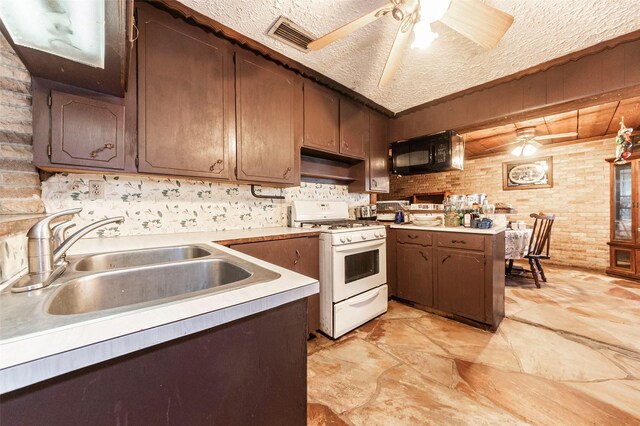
(354, 129)
(622, 202)
(269, 113)
(415, 273)
(378, 153)
(185, 98)
(86, 132)
(300, 255)
(321, 118)
(460, 281)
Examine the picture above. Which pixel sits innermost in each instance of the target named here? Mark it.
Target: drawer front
(461, 241)
(423, 238)
(355, 311)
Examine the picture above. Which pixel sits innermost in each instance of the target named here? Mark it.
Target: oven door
(358, 267)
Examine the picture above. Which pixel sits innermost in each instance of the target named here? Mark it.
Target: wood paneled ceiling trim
(591, 123)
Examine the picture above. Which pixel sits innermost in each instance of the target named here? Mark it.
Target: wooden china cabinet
(624, 245)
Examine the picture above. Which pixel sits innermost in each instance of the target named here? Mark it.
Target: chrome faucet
(47, 247)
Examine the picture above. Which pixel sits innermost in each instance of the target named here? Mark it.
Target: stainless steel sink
(126, 287)
(133, 258)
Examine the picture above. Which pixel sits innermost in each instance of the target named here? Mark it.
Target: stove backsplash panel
(162, 205)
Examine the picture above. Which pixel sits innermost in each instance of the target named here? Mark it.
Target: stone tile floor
(566, 354)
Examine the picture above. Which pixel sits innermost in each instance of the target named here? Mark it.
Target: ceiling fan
(527, 141)
(481, 23)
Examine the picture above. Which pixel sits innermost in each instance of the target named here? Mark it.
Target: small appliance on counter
(367, 212)
(386, 210)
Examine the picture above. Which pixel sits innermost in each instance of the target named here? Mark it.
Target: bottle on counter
(451, 218)
(467, 220)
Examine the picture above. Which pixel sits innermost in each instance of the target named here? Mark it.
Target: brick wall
(579, 197)
(19, 182)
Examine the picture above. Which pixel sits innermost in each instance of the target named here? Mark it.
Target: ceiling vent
(291, 34)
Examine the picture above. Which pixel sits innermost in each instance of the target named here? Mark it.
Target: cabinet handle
(458, 242)
(412, 237)
(213, 166)
(285, 175)
(424, 256)
(298, 256)
(374, 182)
(346, 145)
(445, 258)
(94, 153)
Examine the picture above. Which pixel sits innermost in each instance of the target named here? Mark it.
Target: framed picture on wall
(530, 173)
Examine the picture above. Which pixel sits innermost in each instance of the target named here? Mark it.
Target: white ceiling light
(429, 11)
(525, 149)
(72, 29)
(422, 35)
(433, 10)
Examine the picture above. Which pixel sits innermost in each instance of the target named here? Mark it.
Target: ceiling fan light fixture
(422, 35)
(433, 10)
(397, 13)
(528, 150)
(524, 149)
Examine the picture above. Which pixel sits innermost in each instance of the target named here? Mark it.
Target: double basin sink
(137, 278)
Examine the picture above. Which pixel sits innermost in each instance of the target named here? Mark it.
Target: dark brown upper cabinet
(73, 142)
(354, 129)
(186, 118)
(378, 153)
(269, 129)
(321, 118)
(111, 79)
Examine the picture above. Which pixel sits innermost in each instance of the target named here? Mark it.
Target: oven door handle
(363, 299)
(357, 247)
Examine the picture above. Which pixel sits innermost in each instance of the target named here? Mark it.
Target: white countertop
(460, 229)
(30, 358)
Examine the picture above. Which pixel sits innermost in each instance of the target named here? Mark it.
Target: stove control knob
(349, 238)
(343, 240)
(364, 236)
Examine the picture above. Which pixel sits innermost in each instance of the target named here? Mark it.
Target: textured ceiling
(542, 30)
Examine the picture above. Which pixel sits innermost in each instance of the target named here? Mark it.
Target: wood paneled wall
(610, 74)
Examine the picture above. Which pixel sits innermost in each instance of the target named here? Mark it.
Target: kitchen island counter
(460, 229)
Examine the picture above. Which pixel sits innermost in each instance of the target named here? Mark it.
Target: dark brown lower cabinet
(415, 277)
(252, 371)
(454, 274)
(461, 283)
(300, 255)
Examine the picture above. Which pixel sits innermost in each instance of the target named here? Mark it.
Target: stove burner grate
(338, 224)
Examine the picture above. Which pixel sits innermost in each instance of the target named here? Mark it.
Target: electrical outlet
(96, 190)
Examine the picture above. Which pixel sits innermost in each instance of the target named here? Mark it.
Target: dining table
(516, 243)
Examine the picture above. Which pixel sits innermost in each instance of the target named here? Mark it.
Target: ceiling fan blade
(399, 44)
(503, 145)
(347, 29)
(480, 23)
(556, 136)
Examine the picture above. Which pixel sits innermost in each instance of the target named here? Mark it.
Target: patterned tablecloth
(516, 243)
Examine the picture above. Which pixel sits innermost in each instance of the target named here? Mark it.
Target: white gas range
(353, 264)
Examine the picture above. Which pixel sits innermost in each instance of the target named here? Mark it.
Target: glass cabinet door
(622, 202)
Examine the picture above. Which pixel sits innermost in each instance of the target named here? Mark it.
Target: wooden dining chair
(539, 244)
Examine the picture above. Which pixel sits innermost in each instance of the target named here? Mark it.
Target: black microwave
(439, 152)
